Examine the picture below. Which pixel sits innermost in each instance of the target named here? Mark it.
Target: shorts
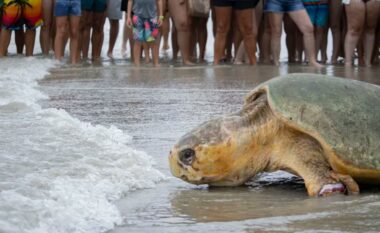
(318, 13)
(113, 9)
(124, 5)
(283, 6)
(16, 16)
(67, 8)
(145, 30)
(235, 4)
(98, 6)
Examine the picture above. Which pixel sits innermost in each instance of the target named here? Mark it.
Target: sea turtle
(323, 129)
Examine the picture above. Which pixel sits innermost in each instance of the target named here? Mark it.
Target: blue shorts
(318, 13)
(98, 6)
(283, 6)
(67, 8)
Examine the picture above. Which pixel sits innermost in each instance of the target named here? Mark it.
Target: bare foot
(188, 63)
(316, 65)
(110, 55)
(348, 64)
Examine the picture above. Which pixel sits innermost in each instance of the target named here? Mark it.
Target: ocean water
(57, 173)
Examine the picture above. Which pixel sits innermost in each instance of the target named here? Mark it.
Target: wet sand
(157, 106)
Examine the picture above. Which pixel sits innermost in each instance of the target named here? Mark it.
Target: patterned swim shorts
(16, 14)
(145, 30)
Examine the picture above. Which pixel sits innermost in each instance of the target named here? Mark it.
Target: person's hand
(160, 20)
(129, 22)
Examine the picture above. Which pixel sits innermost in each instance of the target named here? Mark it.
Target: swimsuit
(113, 9)
(98, 6)
(235, 4)
(67, 8)
(145, 30)
(283, 6)
(317, 11)
(16, 15)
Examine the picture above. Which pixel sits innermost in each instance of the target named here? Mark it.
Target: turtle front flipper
(302, 155)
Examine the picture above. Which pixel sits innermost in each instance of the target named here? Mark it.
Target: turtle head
(209, 155)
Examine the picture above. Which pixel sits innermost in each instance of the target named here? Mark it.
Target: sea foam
(57, 173)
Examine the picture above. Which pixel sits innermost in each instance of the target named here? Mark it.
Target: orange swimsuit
(16, 14)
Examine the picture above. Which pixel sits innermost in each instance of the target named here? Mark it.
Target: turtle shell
(340, 113)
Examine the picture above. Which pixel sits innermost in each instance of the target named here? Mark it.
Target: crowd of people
(243, 29)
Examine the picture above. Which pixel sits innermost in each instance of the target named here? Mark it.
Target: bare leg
(275, 21)
(47, 15)
(125, 38)
(301, 18)
(223, 23)
(202, 38)
(247, 24)
(165, 31)
(114, 31)
(146, 52)
(319, 35)
(5, 38)
(355, 21)
(178, 11)
(85, 33)
(336, 11)
(174, 42)
(155, 53)
(372, 16)
(137, 52)
(20, 40)
(266, 41)
(290, 30)
(97, 35)
(323, 46)
(30, 37)
(74, 38)
(61, 22)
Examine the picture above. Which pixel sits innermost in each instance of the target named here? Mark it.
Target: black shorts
(236, 4)
(124, 5)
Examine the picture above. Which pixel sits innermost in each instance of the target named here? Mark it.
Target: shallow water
(157, 106)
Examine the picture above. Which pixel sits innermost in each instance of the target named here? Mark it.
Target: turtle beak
(175, 169)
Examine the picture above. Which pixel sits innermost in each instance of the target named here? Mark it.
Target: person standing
(318, 11)
(246, 23)
(15, 15)
(182, 24)
(67, 12)
(296, 10)
(362, 15)
(91, 28)
(147, 18)
(114, 14)
(47, 16)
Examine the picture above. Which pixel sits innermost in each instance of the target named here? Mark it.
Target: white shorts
(113, 9)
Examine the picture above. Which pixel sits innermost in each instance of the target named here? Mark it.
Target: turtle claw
(330, 189)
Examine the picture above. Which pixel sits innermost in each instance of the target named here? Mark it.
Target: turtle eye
(187, 156)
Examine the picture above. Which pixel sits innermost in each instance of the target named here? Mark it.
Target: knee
(97, 27)
(222, 29)
(308, 29)
(46, 26)
(275, 32)
(74, 33)
(61, 29)
(183, 26)
(355, 30)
